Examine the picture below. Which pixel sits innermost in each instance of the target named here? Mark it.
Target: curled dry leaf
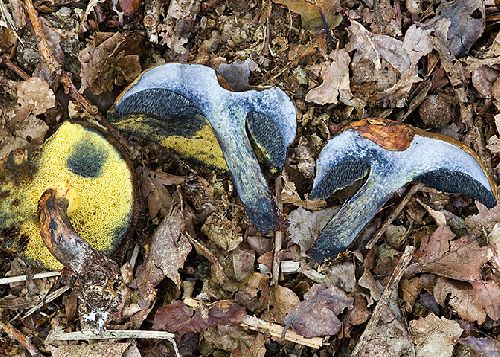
(335, 86)
(472, 302)
(175, 28)
(314, 14)
(434, 336)
(166, 255)
(306, 226)
(466, 24)
(318, 314)
(177, 317)
(460, 259)
(485, 346)
(110, 59)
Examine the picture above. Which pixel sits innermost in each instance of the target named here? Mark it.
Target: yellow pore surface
(100, 207)
(203, 146)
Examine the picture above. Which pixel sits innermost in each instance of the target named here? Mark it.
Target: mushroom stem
(59, 235)
(247, 175)
(350, 220)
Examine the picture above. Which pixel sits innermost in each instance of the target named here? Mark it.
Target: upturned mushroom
(95, 178)
(184, 108)
(390, 155)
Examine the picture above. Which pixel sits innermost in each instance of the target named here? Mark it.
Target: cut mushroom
(390, 155)
(182, 107)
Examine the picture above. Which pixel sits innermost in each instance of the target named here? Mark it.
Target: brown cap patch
(388, 134)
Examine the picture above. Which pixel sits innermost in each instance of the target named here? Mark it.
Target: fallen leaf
(359, 313)
(466, 24)
(111, 59)
(283, 301)
(336, 85)
(484, 221)
(236, 74)
(483, 79)
(224, 232)
(35, 95)
(314, 14)
(434, 336)
(459, 259)
(176, 27)
(485, 346)
(471, 302)
(166, 255)
(390, 338)
(243, 263)
(177, 317)
(305, 226)
(318, 314)
(367, 281)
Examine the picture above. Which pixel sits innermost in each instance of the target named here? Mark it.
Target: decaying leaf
(306, 226)
(283, 301)
(335, 86)
(224, 232)
(459, 259)
(111, 59)
(314, 14)
(434, 336)
(484, 221)
(237, 73)
(167, 253)
(466, 23)
(175, 29)
(472, 302)
(177, 317)
(485, 346)
(318, 314)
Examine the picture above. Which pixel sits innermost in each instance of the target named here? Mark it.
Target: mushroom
(182, 106)
(97, 182)
(101, 287)
(390, 155)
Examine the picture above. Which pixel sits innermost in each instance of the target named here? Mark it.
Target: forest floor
(202, 281)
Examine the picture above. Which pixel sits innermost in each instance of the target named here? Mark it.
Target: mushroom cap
(98, 183)
(181, 99)
(435, 160)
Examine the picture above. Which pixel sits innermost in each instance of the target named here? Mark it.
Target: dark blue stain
(87, 160)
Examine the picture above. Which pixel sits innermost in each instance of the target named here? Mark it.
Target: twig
(53, 65)
(17, 335)
(18, 278)
(52, 296)
(377, 312)
(25, 76)
(274, 330)
(278, 235)
(414, 189)
(110, 335)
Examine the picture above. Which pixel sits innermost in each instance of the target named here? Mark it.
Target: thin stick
(414, 189)
(114, 335)
(52, 63)
(25, 76)
(377, 312)
(278, 235)
(18, 336)
(18, 278)
(52, 296)
(274, 330)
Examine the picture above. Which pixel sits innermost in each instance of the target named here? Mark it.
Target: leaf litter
(339, 62)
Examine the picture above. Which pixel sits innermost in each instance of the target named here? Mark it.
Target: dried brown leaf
(317, 314)
(283, 301)
(472, 302)
(459, 259)
(167, 254)
(434, 336)
(176, 317)
(109, 60)
(336, 85)
(305, 226)
(314, 14)
(466, 24)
